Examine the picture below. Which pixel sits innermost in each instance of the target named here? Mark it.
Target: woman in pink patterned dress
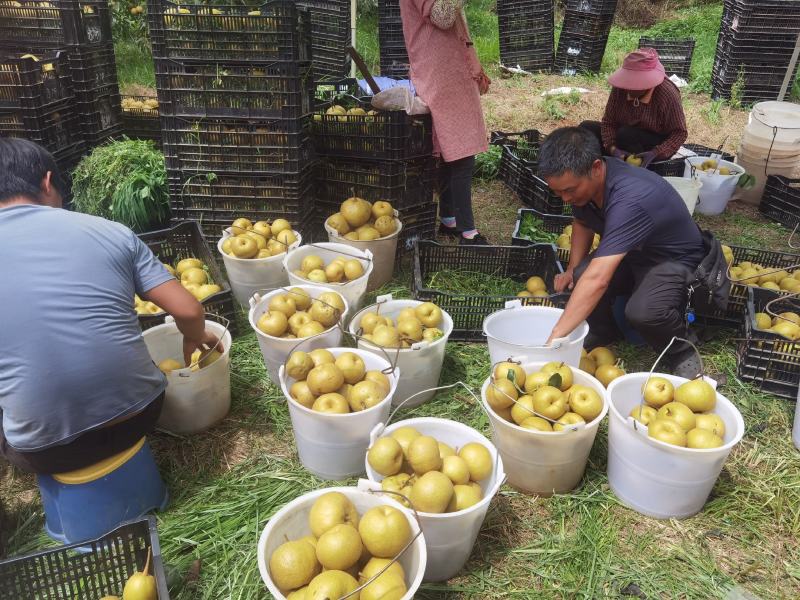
(447, 75)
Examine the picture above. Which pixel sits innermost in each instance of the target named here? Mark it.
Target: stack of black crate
(330, 36)
(526, 34)
(235, 90)
(582, 43)
(394, 56)
(754, 49)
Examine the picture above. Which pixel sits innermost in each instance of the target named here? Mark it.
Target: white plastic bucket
(332, 446)
(249, 275)
(194, 400)
(291, 522)
(545, 462)
(352, 291)
(421, 365)
(449, 537)
(276, 350)
(655, 478)
(688, 190)
(717, 189)
(523, 330)
(778, 121)
(383, 253)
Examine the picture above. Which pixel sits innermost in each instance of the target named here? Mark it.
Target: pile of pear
(769, 278)
(544, 400)
(360, 220)
(432, 476)
(296, 315)
(786, 324)
(344, 115)
(343, 551)
(340, 270)
(601, 363)
(335, 385)
(680, 416)
(261, 239)
(564, 241)
(193, 275)
(535, 287)
(412, 325)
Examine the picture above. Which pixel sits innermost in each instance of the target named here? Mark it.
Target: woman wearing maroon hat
(644, 115)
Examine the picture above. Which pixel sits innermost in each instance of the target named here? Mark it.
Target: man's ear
(49, 193)
(597, 167)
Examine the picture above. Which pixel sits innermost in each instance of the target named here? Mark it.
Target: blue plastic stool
(87, 503)
(631, 335)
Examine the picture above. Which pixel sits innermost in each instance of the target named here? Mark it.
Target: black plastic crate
(523, 146)
(55, 127)
(767, 359)
(55, 24)
(94, 69)
(215, 201)
(674, 167)
(275, 30)
(674, 54)
(526, 34)
(34, 81)
(330, 35)
(328, 89)
(532, 189)
(762, 16)
(236, 146)
(577, 53)
(393, 54)
(389, 10)
(186, 240)
(781, 200)
(737, 301)
(550, 224)
(64, 572)
(101, 117)
(387, 135)
(141, 121)
(403, 183)
(468, 311)
(396, 68)
(244, 91)
(589, 24)
(595, 7)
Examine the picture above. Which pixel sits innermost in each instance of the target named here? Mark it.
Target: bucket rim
(725, 448)
(367, 256)
(419, 545)
(351, 328)
(500, 476)
(171, 326)
(583, 326)
(271, 293)
(258, 261)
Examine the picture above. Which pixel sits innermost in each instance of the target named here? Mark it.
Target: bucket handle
(367, 258)
(366, 486)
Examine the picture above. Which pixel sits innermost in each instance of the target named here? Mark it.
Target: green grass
(135, 63)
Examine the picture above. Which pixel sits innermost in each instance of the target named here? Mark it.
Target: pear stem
(147, 562)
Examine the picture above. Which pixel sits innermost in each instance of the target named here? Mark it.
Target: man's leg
(636, 140)
(603, 328)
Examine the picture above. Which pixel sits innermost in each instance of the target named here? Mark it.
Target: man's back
(73, 359)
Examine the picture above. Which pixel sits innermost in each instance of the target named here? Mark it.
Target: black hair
(569, 149)
(23, 166)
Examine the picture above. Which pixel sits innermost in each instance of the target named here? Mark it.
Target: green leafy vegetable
(532, 229)
(487, 164)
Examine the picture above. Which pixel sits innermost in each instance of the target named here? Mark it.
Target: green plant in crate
(532, 228)
(124, 181)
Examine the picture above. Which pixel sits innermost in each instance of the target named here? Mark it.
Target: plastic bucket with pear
(336, 396)
(342, 542)
(545, 417)
(603, 364)
(193, 274)
(449, 473)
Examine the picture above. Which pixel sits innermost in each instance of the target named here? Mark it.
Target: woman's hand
(483, 82)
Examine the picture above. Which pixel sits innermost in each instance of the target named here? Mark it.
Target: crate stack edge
(526, 32)
(582, 43)
(393, 53)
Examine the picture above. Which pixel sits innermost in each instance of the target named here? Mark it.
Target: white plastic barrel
(688, 188)
(249, 275)
(332, 446)
(276, 350)
(545, 462)
(291, 523)
(655, 478)
(777, 123)
(194, 400)
(421, 365)
(449, 537)
(717, 189)
(383, 253)
(523, 330)
(352, 291)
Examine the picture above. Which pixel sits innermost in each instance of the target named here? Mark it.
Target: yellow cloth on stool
(99, 469)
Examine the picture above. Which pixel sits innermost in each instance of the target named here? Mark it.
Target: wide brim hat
(641, 70)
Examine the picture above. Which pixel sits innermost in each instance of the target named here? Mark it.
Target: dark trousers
(633, 140)
(656, 307)
(455, 192)
(89, 448)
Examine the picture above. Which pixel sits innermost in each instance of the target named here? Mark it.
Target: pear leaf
(555, 380)
(511, 375)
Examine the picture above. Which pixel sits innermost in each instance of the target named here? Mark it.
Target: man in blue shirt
(650, 246)
(77, 384)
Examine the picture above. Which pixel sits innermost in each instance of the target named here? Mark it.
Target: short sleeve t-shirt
(73, 357)
(643, 216)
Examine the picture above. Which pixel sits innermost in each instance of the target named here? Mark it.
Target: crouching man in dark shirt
(650, 246)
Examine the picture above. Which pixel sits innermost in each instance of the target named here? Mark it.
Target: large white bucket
(291, 522)
(383, 253)
(689, 189)
(194, 400)
(249, 275)
(776, 123)
(421, 365)
(276, 350)
(717, 189)
(655, 478)
(352, 291)
(545, 462)
(523, 330)
(332, 446)
(449, 536)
